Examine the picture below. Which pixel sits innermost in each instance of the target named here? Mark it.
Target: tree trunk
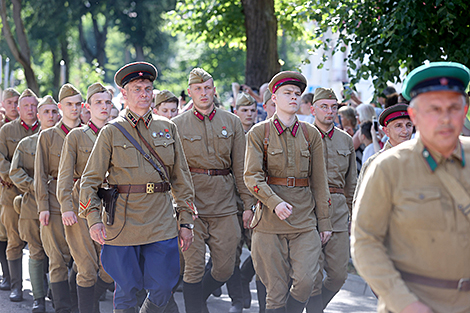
(56, 72)
(65, 56)
(139, 52)
(262, 60)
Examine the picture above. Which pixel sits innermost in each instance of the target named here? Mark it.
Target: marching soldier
(74, 156)
(22, 175)
(10, 103)
(214, 144)
(340, 159)
(285, 170)
(10, 135)
(411, 222)
(46, 168)
(143, 157)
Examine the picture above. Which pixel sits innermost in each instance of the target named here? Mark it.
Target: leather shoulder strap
(88, 131)
(267, 127)
(456, 190)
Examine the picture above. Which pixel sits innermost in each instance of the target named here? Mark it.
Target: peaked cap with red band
(133, 71)
(392, 113)
(287, 78)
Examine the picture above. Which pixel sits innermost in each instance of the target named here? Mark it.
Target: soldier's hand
(325, 236)
(417, 307)
(283, 210)
(98, 233)
(44, 218)
(247, 217)
(69, 218)
(186, 237)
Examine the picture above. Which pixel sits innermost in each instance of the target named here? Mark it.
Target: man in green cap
(214, 145)
(141, 157)
(340, 159)
(285, 170)
(74, 156)
(46, 169)
(411, 222)
(22, 175)
(10, 134)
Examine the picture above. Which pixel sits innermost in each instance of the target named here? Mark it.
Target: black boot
(261, 290)
(278, 310)
(85, 294)
(209, 284)
(61, 297)
(294, 306)
(315, 304)
(100, 288)
(5, 284)
(217, 292)
(171, 307)
(73, 290)
(149, 307)
(39, 305)
(327, 295)
(234, 287)
(247, 271)
(192, 294)
(16, 277)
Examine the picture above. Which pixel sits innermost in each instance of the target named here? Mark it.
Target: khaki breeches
(10, 221)
(3, 231)
(244, 239)
(30, 232)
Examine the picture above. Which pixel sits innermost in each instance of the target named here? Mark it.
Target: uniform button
(421, 196)
(460, 207)
(125, 146)
(425, 154)
(164, 144)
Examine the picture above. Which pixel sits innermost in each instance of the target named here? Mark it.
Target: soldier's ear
(124, 93)
(189, 92)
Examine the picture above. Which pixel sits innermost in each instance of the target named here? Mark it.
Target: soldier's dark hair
(308, 98)
(365, 129)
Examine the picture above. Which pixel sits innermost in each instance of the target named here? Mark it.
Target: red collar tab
(200, 116)
(65, 129)
(329, 134)
(280, 130)
(295, 128)
(93, 127)
(33, 128)
(282, 81)
(393, 116)
(7, 120)
(133, 119)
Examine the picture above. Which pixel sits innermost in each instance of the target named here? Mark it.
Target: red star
(444, 81)
(140, 73)
(329, 201)
(256, 189)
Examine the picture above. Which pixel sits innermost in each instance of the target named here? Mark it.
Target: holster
(108, 198)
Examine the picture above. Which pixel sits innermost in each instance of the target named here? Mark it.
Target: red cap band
(280, 82)
(395, 115)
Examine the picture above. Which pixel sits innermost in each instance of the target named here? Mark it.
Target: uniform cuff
(273, 201)
(324, 225)
(398, 302)
(185, 217)
(43, 205)
(93, 217)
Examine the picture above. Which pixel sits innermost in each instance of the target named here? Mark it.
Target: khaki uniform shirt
(46, 166)
(288, 156)
(405, 219)
(340, 159)
(140, 218)
(22, 174)
(216, 141)
(10, 136)
(75, 153)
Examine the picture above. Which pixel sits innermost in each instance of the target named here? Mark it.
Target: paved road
(355, 296)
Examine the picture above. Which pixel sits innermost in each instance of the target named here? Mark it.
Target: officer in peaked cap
(411, 222)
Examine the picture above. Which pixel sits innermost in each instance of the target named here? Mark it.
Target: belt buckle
(290, 179)
(464, 283)
(209, 172)
(150, 187)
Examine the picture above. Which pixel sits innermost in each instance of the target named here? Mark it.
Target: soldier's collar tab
(328, 133)
(134, 119)
(93, 127)
(200, 116)
(458, 153)
(280, 128)
(33, 127)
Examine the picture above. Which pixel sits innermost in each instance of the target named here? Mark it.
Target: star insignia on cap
(256, 189)
(140, 73)
(444, 81)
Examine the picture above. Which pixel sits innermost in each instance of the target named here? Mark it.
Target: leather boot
(16, 279)
(100, 288)
(39, 305)
(36, 275)
(278, 310)
(234, 287)
(315, 304)
(217, 292)
(171, 306)
(247, 271)
(149, 307)
(327, 295)
(294, 306)
(261, 290)
(192, 294)
(85, 294)
(209, 284)
(73, 290)
(61, 297)
(5, 284)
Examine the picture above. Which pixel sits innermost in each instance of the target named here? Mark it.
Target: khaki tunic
(407, 220)
(85, 252)
(146, 218)
(10, 135)
(22, 175)
(3, 232)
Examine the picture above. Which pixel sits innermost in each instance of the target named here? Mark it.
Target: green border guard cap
(436, 76)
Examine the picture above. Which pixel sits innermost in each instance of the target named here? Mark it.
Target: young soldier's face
(71, 107)
(247, 115)
(202, 94)
(48, 115)
(325, 111)
(399, 131)
(11, 105)
(100, 106)
(270, 108)
(287, 99)
(28, 109)
(167, 109)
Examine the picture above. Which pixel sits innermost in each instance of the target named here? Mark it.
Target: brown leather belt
(287, 181)
(462, 284)
(74, 180)
(336, 190)
(210, 172)
(145, 188)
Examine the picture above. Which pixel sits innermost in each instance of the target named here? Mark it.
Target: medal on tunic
(160, 134)
(224, 131)
(154, 135)
(168, 136)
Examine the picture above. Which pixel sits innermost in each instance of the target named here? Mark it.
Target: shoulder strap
(456, 190)
(265, 144)
(305, 131)
(139, 148)
(87, 131)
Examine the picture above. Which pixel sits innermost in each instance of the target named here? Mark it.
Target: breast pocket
(124, 155)
(192, 145)
(342, 160)
(276, 160)
(225, 143)
(54, 155)
(165, 150)
(304, 162)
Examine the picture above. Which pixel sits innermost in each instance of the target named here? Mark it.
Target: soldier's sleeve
(18, 175)
(254, 174)
(67, 162)
(41, 172)
(351, 178)
(369, 229)
(182, 183)
(93, 176)
(238, 160)
(4, 162)
(319, 183)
